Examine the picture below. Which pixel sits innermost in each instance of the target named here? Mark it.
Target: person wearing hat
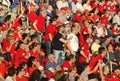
(63, 14)
(79, 5)
(77, 17)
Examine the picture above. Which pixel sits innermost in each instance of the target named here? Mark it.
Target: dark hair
(44, 79)
(11, 71)
(19, 44)
(24, 35)
(64, 77)
(7, 18)
(30, 60)
(34, 45)
(101, 49)
(33, 36)
(53, 19)
(19, 69)
(59, 27)
(70, 57)
(35, 76)
(84, 66)
(86, 36)
(22, 64)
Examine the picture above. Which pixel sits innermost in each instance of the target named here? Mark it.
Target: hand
(87, 60)
(72, 52)
(70, 37)
(34, 24)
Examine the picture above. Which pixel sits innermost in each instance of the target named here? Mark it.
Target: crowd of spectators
(59, 40)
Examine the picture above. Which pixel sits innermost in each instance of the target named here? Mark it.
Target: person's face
(34, 62)
(107, 69)
(22, 72)
(110, 48)
(53, 58)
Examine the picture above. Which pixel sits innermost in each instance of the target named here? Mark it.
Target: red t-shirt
(67, 65)
(40, 23)
(21, 79)
(31, 69)
(20, 54)
(77, 18)
(16, 23)
(3, 27)
(93, 5)
(94, 60)
(85, 48)
(51, 29)
(81, 38)
(35, 54)
(113, 77)
(101, 8)
(17, 36)
(95, 17)
(104, 19)
(3, 69)
(32, 16)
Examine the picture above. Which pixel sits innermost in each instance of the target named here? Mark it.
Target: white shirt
(79, 7)
(116, 19)
(60, 4)
(6, 2)
(88, 7)
(73, 42)
(8, 79)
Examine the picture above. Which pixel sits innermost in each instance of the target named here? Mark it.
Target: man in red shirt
(22, 53)
(49, 34)
(20, 74)
(83, 31)
(68, 63)
(102, 54)
(84, 50)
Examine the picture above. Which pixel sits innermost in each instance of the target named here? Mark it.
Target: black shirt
(57, 45)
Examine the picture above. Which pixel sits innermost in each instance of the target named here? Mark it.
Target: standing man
(73, 44)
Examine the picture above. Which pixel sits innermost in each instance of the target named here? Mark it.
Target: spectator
(73, 43)
(35, 76)
(49, 35)
(20, 74)
(58, 48)
(61, 3)
(51, 67)
(11, 74)
(70, 62)
(116, 18)
(22, 53)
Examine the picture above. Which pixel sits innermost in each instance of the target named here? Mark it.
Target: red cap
(63, 8)
(42, 6)
(58, 23)
(31, 4)
(86, 10)
(66, 8)
(78, 11)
